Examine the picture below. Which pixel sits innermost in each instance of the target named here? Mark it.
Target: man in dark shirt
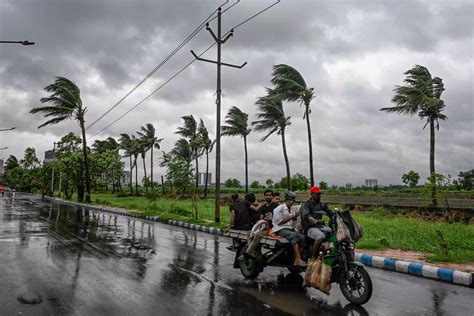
(266, 211)
(314, 226)
(240, 213)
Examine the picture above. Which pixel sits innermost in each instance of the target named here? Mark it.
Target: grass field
(382, 229)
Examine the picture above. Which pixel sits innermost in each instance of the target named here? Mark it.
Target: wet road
(57, 259)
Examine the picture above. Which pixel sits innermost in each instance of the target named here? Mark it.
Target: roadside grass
(167, 208)
(382, 229)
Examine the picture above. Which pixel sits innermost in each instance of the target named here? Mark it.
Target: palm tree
(66, 104)
(207, 144)
(291, 86)
(142, 148)
(147, 134)
(182, 149)
(273, 119)
(237, 125)
(12, 162)
(421, 95)
(190, 132)
(126, 144)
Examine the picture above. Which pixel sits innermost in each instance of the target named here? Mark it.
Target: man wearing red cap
(312, 213)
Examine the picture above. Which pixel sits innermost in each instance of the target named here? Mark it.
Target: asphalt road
(57, 259)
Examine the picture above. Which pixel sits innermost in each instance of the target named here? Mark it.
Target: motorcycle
(352, 277)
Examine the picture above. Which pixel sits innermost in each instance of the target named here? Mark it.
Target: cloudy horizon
(353, 53)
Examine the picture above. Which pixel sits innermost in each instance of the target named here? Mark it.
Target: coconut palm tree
(237, 125)
(126, 144)
(147, 135)
(190, 132)
(12, 162)
(66, 104)
(273, 120)
(291, 86)
(422, 96)
(207, 144)
(182, 149)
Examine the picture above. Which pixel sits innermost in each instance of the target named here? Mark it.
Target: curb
(411, 268)
(417, 269)
(201, 228)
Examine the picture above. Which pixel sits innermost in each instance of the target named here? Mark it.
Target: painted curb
(417, 269)
(412, 268)
(196, 227)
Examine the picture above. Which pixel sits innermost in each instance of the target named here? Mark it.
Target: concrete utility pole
(219, 40)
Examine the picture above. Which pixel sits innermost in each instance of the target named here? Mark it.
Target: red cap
(315, 189)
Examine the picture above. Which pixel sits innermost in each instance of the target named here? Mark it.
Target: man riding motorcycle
(314, 226)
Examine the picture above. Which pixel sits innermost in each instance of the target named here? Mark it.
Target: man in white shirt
(283, 225)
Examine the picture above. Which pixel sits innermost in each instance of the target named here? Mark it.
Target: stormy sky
(352, 52)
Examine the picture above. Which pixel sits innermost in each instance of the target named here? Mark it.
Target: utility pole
(219, 40)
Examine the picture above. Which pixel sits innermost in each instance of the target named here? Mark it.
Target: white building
(202, 178)
(371, 183)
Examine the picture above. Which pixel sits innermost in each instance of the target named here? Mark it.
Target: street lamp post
(25, 43)
(7, 129)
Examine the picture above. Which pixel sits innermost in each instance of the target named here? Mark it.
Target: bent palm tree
(237, 125)
(147, 134)
(273, 120)
(126, 144)
(207, 144)
(66, 104)
(11, 163)
(190, 132)
(291, 86)
(421, 95)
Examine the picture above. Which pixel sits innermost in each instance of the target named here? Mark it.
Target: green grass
(382, 229)
(167, 208)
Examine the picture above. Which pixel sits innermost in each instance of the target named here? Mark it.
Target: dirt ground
(413, 256)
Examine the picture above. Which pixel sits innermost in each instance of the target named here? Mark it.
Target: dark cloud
(352, 52)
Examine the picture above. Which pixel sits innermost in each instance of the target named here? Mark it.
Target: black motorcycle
(353, 279)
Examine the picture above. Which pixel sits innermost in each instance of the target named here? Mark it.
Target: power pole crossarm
(215, 62)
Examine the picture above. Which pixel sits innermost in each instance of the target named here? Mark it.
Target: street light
(7, 129)
(3, 148)
(26, 43)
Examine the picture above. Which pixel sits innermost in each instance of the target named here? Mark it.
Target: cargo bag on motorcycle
(318, 275)
(355, 229)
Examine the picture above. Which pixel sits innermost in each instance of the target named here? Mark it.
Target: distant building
(202, 178)
(371, 183)
(348, 186)
(1, 167)
(49, 156)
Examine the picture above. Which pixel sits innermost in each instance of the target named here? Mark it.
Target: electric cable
(154, 91)
(186, 40)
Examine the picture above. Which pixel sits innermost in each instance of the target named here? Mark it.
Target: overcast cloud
(352, 52)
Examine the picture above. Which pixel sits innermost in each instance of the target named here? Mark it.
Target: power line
(187, 65)
(183, 43)
(154, 91)
(256, 14)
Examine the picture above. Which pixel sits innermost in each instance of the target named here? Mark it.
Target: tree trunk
(197, 168)
(246, 166)
(151, 172)
(207, 172)
(144, 169)
(310, 146)
(131, 176)
(136, 174)
(432, 162)
(288, 179)
(86, 162)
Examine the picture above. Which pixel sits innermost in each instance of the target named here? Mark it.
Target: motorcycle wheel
(356, 285)
(248, 267)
